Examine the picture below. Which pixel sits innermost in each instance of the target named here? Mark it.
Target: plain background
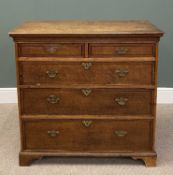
(14, 12)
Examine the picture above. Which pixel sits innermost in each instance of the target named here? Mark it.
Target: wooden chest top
(86, 28)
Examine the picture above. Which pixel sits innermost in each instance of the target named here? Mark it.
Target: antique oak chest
(87, 88)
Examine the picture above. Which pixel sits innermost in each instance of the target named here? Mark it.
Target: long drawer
(88, 135)
(46, 72)
(68, 101)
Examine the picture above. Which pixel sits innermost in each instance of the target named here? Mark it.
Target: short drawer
(121, 50)
(78, 101)
(88, 135)
(56, 73)
(51, 50)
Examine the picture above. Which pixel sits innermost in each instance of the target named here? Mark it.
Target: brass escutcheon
(86, 92)
(87, 66)
(87, 123)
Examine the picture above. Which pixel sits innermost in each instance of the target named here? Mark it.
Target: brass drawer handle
(87, 66)
(53, 99)
(121, 50)
(52, 50)
(87, 123)
(52, 73)
(53, 133)
(121, 101)
(86, 92)
(120, 133)
(121, 72)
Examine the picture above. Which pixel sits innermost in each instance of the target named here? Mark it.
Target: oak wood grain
(86, 27)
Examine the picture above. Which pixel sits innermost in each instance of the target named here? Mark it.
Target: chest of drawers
(87, 88)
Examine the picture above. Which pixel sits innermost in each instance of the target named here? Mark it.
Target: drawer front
(136, 73)
(86, 101)
(89, 135)
(121, 50)
(51, 50)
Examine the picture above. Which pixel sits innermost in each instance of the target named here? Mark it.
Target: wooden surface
(82, 72)
(86, 27)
